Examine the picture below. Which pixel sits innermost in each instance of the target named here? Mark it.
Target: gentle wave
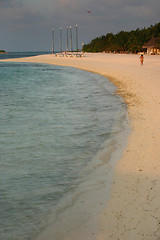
(54, 122)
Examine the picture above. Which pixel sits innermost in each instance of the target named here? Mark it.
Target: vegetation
(123, 41)
(2, 51)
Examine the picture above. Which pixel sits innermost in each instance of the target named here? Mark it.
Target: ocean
(8, 55)
(61, 131)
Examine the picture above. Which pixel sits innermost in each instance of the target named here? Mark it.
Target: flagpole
(77, 37)
(52, 41)
(60, 43)
(71, 38)
(67, 39)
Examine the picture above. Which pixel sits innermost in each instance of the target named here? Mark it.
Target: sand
(133, 210)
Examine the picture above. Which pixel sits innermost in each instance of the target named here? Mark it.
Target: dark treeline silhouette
(123, 41)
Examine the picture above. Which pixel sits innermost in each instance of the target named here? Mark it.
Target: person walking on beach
(141, 59)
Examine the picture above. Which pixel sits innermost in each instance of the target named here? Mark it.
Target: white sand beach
(133, 210)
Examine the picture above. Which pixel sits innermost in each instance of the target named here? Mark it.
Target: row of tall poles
(67, 39)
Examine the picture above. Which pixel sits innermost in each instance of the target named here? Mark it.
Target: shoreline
(133, 209)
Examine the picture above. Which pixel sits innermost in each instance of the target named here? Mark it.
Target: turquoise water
(53, 121)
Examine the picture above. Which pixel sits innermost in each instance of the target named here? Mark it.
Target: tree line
(123, 41)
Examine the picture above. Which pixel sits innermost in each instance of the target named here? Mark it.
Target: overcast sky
(25, 25)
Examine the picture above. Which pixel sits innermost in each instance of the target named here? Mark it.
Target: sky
(26, 25)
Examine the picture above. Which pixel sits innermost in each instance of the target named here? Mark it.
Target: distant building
(153, 46)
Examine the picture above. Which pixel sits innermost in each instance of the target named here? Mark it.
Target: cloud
(16, 13)
(102, 10)
(35, 17)
(11, 3)
(61, 12)
(72, 9)
(138, 11)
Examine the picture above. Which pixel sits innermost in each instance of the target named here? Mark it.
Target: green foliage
(2, 51)
(123, 41)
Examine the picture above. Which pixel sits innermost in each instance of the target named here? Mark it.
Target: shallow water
(54, 122)
(20, 54)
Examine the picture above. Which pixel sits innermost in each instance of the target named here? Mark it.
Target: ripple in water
(53, 122)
